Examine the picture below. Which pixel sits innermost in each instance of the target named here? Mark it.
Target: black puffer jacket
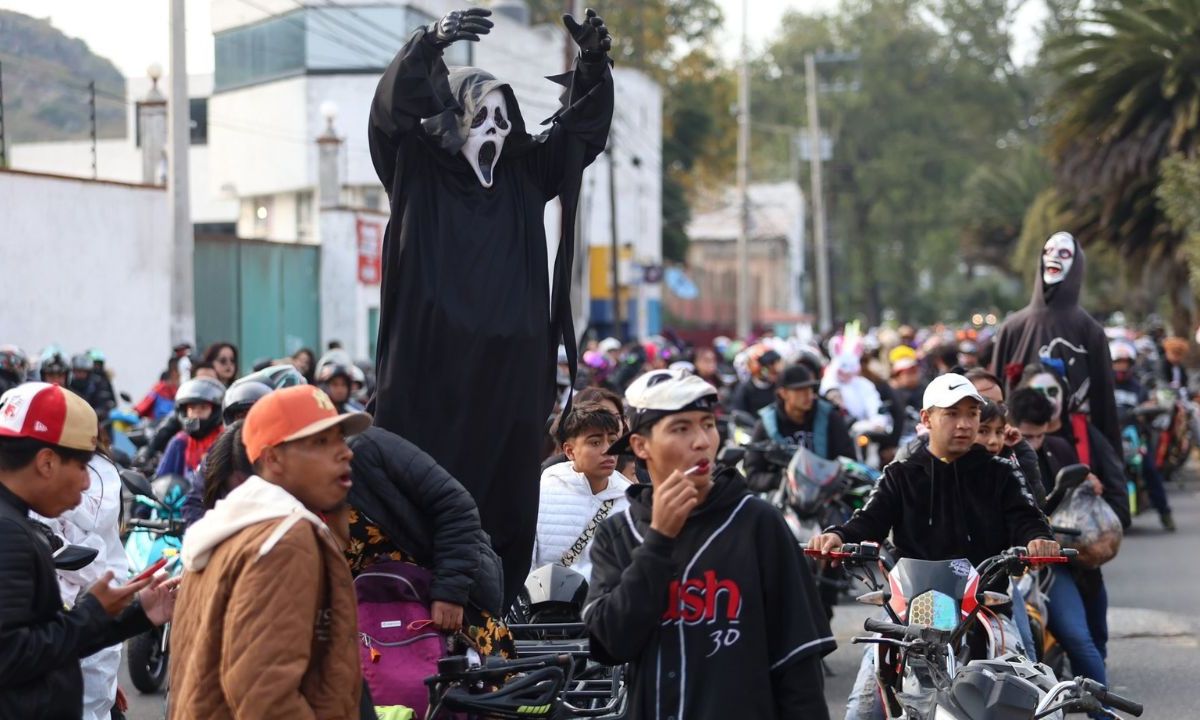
(426, 512)
(40, 643)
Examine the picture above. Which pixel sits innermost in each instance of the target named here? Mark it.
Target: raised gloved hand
(460, 25)
(591, 35)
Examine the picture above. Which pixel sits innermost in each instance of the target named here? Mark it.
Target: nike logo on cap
(955, 387)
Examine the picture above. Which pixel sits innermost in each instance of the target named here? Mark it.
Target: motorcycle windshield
(918, 578)
(808, 474)
(934, 609)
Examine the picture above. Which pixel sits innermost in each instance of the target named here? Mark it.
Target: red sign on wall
(370, 252)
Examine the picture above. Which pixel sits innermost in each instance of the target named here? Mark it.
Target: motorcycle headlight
(934, 609)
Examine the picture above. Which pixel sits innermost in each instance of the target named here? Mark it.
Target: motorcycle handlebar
(864, 552)
(496, 667)
(883, 627)
(155, 525)
(1107, 697)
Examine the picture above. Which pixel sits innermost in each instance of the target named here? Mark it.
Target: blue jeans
(1080, 624)
(1154, 484)
(1020, 617)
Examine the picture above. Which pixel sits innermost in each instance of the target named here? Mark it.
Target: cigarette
(698, 468)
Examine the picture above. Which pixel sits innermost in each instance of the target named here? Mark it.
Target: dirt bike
(941, 654)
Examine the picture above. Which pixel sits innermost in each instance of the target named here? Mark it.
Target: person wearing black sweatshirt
(949, 499)
(699, 585)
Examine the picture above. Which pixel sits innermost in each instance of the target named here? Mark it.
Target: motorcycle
(814, 493)
(942, 622)
(546, 623)
(151, 540)
(1175, 436)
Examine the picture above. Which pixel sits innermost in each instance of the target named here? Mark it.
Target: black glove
(460, 25)
(591, 36)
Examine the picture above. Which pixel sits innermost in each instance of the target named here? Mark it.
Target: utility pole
(183, 300)
(3, 145)
(824, 301)
(614, 247)
(743, 179)
(92, 119)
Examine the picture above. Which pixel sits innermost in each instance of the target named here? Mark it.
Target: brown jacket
(274, 635)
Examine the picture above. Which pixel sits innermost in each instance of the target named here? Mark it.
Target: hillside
(45, 76)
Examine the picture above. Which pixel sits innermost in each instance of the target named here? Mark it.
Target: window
(198, 115)
(321, 38)
(304, 216)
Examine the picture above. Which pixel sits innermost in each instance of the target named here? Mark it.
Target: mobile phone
(148, 572)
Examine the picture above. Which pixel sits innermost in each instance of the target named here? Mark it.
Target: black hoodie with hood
(470, 316)
(1054, 324)
(975, 507)
(722, 621)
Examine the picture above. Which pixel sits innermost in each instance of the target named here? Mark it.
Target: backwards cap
(660, 393)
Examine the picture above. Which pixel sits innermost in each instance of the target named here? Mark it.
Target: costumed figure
(843, 383)
(470, 318)
(1056, 332)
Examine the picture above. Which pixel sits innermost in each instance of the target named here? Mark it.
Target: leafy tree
(1129, 98)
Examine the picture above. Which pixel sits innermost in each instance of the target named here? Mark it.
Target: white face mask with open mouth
(1057, 257)
(489, 127)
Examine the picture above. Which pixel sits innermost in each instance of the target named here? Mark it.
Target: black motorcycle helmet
(240, 397)
(56, 364)
(552, 594)
(82, 363)
(195, 391)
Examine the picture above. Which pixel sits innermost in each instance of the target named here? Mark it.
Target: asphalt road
(1154, 649)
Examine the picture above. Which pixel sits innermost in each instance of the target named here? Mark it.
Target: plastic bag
(1100, 528)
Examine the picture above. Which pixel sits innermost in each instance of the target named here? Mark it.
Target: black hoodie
(1053, 324)
(975, 507)
(722, 621)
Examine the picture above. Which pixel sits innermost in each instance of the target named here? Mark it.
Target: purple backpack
(399, 647)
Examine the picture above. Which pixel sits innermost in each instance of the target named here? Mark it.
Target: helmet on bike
(14, 361)
(195, 392)
(531, 695)
(333, 357)
(1122, 350)
(240, 397)
(333, 370)
(55, 364)
(357, 376)
(552, 594)
(275, 377)
(82, 362)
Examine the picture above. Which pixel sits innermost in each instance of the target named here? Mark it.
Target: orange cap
(294, 413)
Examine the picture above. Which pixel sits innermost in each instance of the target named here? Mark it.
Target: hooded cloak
(1054, 325)
(469, 319)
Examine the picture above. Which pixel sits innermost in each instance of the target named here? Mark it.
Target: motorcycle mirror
(995, 599)
(1071, 476)
(731, 456)
(871, 598)
(74, 557)
(136, 483)
(126, 397)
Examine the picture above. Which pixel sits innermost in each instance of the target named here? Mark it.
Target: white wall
(345, 301)
(121, 160)
(87, 264)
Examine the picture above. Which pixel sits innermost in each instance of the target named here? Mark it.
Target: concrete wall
(87, 264)
(345, 302)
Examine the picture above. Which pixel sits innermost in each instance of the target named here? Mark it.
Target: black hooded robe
(468, 330)
(1053, 324)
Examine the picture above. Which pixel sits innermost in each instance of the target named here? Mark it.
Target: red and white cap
(48, 413)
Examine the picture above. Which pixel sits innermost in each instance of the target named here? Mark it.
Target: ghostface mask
(489, 127)
(1057, 257)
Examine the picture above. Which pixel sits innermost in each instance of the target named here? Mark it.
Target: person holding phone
(47, 438)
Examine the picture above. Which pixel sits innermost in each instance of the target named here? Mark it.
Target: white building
(278, 266)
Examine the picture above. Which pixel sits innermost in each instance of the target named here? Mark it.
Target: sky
(133, 33)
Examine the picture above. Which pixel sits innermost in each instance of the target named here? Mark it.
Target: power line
(349, 45)
(382, 31)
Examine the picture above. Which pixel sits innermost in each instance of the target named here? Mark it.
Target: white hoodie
(250, 503)
(566, 508)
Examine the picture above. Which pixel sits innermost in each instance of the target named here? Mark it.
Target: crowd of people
(290, 440)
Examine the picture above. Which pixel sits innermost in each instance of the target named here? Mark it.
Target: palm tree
(1129, 99)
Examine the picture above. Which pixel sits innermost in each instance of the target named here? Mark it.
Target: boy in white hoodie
(577, 495)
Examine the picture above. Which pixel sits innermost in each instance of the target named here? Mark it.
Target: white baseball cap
(609, 345)
(947, 390)
(660, 393)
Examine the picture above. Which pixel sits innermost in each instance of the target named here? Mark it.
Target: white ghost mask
(1057, 258)
(489, 127)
